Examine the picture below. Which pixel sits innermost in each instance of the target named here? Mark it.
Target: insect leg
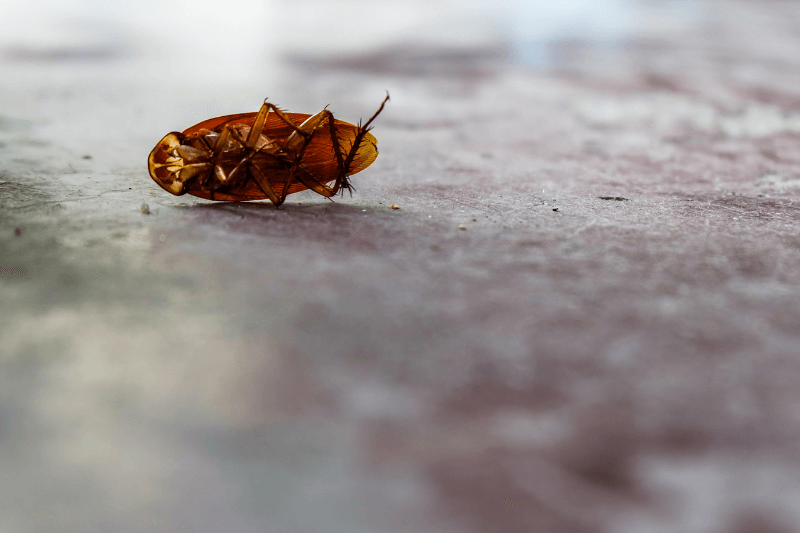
(341, 175)
(362, 130)
(378, 112)
(297, 129)
(226, 136)
(299, 173)
(297, 145)
(297, 142)
(222, 140)
(288, 183)
(258, 125)
(312, 182)
(264, 184)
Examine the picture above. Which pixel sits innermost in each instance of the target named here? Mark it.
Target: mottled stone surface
(611, 345)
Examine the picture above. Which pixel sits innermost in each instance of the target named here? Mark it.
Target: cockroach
(268, 154)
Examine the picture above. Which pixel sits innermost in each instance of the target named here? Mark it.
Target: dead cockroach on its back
(268, 154)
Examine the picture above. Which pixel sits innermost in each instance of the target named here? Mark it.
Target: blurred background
(196, 47)
(583, 318)
(238, 38)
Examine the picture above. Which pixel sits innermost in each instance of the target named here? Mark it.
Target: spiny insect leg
(299, 139)
(300, 173)
(341, 175)
(312, 182)
(337, 149)
(310, 126)
(362, 130)
(298, 157)
(258, 125)
(263, 182)
(283, 117)
(298, 145)
(222, 140)
(287, 184)
(225, 136)
(237, 175)
(378, 112)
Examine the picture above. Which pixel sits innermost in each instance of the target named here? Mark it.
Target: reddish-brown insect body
(268, 154)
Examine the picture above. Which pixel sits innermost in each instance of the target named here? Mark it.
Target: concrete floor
(611, 345)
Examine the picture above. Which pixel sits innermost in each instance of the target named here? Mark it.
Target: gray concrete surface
(564, 364)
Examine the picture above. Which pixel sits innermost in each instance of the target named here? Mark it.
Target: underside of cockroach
(269, 154)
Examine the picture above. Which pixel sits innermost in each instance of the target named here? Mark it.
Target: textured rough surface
(610, 345)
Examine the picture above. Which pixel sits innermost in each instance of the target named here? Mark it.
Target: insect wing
(217, 123)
